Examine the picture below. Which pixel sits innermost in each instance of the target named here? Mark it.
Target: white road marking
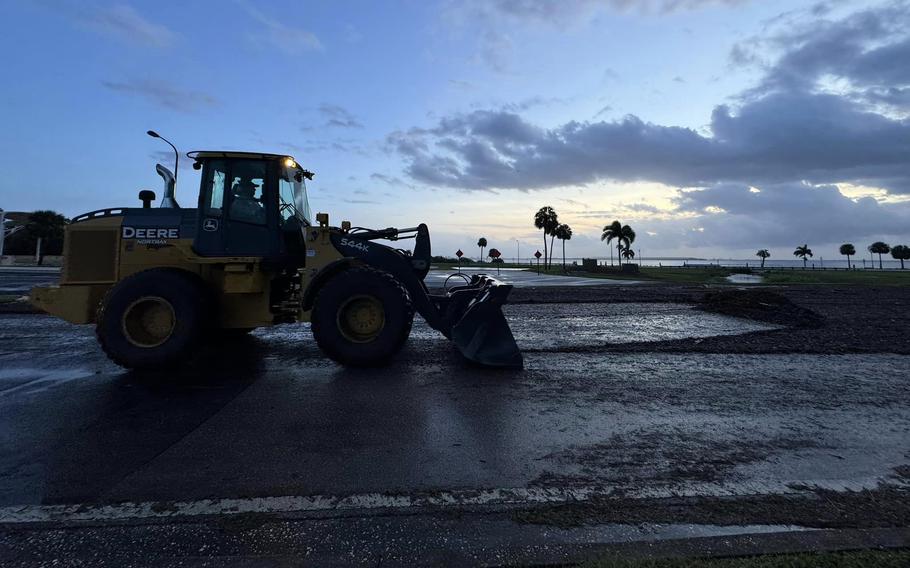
(24, 514)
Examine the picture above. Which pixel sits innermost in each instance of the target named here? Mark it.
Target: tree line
(898, 252)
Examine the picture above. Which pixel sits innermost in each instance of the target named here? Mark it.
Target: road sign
(537, 254)
(459, 254)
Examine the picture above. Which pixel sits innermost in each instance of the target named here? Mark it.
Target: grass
(672, 275)
(679, 275)
(8, 298)
(865, 559)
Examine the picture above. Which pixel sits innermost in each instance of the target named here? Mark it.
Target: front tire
(153, 319)
(362, 317)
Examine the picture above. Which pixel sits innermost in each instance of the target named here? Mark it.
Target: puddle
(522, 278)
(547, 326)
(609, 533)
(744, 279)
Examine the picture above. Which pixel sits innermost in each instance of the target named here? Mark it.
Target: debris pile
(760, 305)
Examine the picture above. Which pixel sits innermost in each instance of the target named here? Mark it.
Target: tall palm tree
(901, 253)
(804, 252)
(552, 238)
(563, 233)
(546, 220)
(623, 234)
(482, 243)
(763, 254)
(848, 250)
(879, 248)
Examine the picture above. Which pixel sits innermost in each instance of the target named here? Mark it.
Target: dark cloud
(338, 117)
(781, 137)
(560, 12)
(795, 211)
(164, 94)
(865, 51)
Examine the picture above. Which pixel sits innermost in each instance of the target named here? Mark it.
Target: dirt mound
(760, 305)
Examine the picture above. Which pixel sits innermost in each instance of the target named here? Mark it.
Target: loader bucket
(482, 334)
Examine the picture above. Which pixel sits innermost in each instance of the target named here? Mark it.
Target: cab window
(215, 186)
(247, 182)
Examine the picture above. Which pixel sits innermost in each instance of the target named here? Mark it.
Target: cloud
(120, 21)
(291, 39)
(831, 107)
(489, 18)
(561, 12)
(828, 113)
(163, 94)
(496, 49)
(781, 137)
(338, 117)
(861, 56)
(796, 212)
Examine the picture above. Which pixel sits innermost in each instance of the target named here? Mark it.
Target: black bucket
(482, 334)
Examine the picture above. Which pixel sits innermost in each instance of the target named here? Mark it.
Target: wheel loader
(159, 282)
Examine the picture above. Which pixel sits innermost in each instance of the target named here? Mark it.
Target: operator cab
(251, 205)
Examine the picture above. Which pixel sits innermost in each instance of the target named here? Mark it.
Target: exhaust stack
(168, 199)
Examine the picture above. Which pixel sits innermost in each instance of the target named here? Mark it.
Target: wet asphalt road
(19, 280)
(267, 416)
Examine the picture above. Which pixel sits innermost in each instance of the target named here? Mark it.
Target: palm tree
(623, 234)
(848, 250)
(46, 227)
(879, 248)
(627, 253)
(482, 243)
(804, 252)
(763, 254)
(546, 220)
(901, 253)
(563, 233)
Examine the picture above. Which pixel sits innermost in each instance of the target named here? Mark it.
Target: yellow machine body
(96, 257)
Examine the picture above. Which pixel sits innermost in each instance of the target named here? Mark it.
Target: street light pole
(518, 258)
(154, 134)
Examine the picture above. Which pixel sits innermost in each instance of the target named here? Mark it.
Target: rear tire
(153, 319)
(362, 317)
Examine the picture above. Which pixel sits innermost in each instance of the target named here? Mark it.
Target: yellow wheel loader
(159, 282)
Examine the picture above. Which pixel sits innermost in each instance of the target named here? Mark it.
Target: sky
(712, 127)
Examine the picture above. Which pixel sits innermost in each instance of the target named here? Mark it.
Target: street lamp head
(153, 134)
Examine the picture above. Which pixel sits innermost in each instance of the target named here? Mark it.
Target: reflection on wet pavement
(546, 326)
(268, 415)
(520, 277)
